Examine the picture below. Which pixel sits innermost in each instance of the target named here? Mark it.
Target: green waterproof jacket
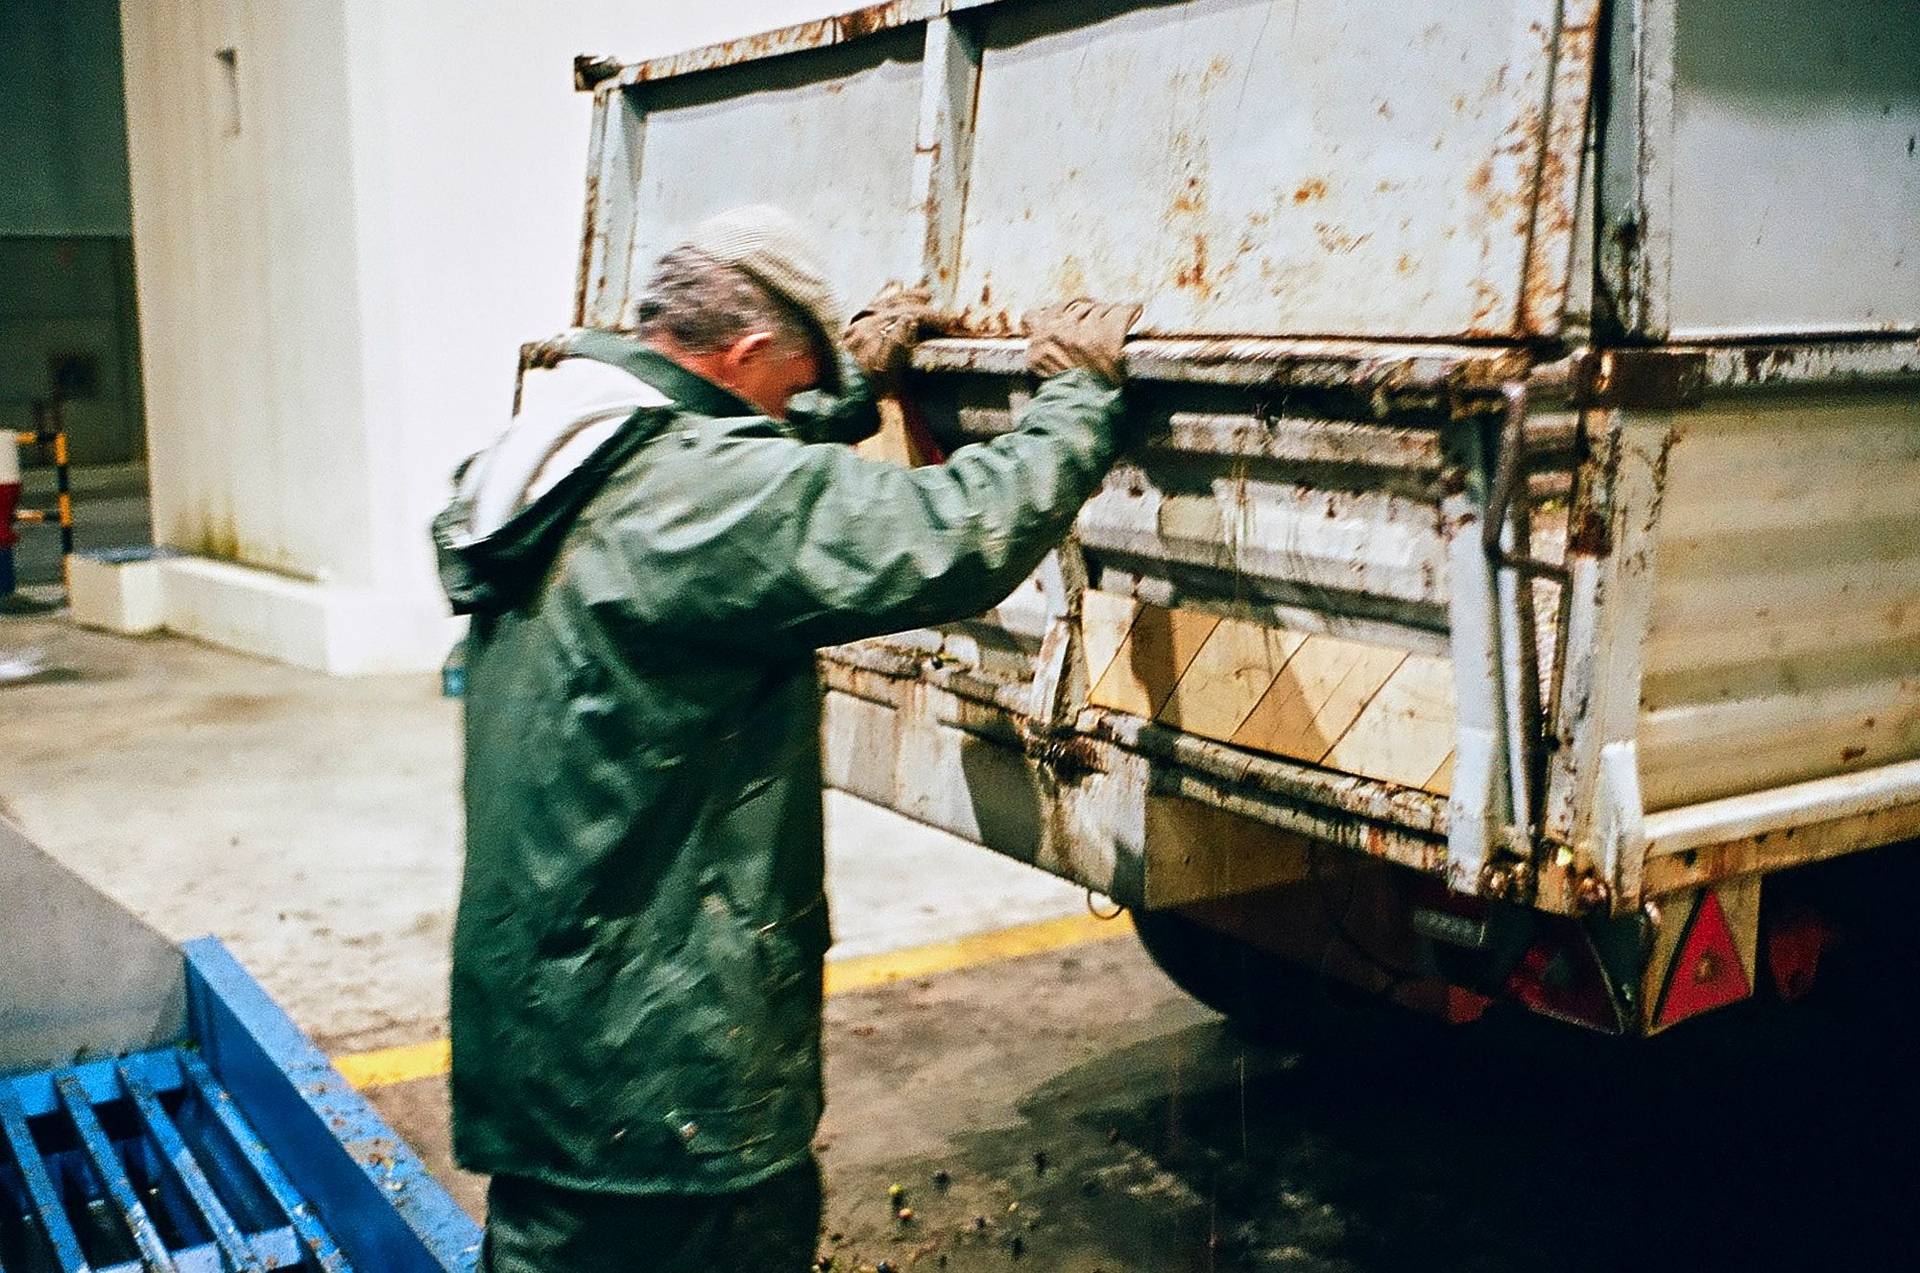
(637, 959)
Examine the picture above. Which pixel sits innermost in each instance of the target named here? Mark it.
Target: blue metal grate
(139, 1164)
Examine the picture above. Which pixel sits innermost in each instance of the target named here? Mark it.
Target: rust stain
(805, 35)
(984, 319)
(1193, 275)
(1191, 199)
(1763, 364)
(875, 17)
(587, 238)
(1309, 190)
(1335, 240)
(791, 39)
(1486, 304)
(1071, 278)
(1404, 265)
(1590, 536)
(1480, 180)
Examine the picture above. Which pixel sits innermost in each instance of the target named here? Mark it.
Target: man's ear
(749, 349)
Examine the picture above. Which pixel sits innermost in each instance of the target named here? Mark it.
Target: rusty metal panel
(1784, 636)
(827, 134)
(1139, 813)
(1243, 167)
(1251, 167)
(1760, 176)
(1226, 530)
(1796, 183)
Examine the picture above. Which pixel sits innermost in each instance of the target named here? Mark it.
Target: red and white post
(9, 501)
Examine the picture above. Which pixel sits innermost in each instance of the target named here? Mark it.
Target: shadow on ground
(1073, 1113)
(1759, 1141)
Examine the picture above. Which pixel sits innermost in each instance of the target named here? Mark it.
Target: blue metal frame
(235, 1254)
(43, 1195)
(372, 1192)
(236, 1150)
(183, 1223)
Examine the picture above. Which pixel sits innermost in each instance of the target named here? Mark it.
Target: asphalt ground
(1043, 1096)
(1071, 1111)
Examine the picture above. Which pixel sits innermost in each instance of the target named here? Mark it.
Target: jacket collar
(690, 389)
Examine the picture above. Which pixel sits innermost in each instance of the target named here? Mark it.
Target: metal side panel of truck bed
(1531, 397)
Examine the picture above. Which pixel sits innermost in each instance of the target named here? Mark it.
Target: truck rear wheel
(1263, 995)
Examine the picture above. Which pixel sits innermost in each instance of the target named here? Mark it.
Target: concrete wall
(333, 293)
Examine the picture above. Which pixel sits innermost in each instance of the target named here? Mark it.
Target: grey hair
(704, 306)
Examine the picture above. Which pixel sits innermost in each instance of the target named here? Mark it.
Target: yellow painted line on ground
(866, 971)
(384, 1067)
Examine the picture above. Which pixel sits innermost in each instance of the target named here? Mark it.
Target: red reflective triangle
(1707, 973)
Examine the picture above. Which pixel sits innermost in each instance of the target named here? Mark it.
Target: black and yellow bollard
(49, 432)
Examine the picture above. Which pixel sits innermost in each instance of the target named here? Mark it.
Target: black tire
(1263, 995)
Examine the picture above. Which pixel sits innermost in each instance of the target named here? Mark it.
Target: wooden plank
(1196, 851)
(1366, 709)
(1704, 751)
(1317, 696)
(1105, 620)
(895, 442)
(1405, 733)
(1151, 659)
(1227, 679)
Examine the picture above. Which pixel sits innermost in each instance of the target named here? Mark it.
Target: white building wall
(333, 297)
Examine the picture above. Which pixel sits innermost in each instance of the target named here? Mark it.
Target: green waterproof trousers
(772, 1227)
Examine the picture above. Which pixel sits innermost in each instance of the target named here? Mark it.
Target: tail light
(1561, 976)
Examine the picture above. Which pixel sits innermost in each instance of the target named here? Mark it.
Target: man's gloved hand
(1083, 335)
(881, 336)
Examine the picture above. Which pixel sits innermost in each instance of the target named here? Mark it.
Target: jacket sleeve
(766, 545)
(849, 416)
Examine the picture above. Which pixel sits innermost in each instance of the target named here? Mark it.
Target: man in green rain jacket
(651, 555)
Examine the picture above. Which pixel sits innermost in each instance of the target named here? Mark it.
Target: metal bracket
(1496, 802)
(590, 70)
(1060, 678)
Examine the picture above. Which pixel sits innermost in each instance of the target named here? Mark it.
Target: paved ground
(312, 823)
(1069, 1111)
(1072, 1113)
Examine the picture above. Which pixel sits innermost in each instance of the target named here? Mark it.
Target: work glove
(881, 337)
(1079, 335)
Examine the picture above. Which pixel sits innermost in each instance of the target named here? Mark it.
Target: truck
(1515, 597)
(159, 1113)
